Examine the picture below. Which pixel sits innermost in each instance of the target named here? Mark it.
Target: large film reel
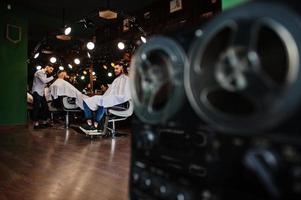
(244, 74)
(157, 80)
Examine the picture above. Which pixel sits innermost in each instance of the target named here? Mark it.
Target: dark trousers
(40, 107)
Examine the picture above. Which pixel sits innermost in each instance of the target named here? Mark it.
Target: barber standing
(40, 107)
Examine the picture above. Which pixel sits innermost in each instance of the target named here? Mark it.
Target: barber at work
(40, 108)
(118, 93)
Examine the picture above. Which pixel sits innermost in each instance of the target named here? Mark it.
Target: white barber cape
(61, 87)
(117, 93)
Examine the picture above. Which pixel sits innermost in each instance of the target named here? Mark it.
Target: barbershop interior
(150, 100)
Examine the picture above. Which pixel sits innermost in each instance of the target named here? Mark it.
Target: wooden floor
(62, 164)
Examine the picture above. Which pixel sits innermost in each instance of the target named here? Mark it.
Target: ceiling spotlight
(70, 66)
(121, 45)
(112, 64)
(90, 45)
(67, 30)
(61, 68)
(85, 72)
(53, 59)
(77, 61)
(105, 67)
(38, 67)
(36, 55)
(82, 77)
(110, 74)
(143, 39)
(89, 55)
(107, 14)
(93, 73)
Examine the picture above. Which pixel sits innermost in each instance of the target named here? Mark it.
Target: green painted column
(13, 68)
(231, 3)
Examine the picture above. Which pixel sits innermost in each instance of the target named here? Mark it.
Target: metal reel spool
(244, 75)
(157, 86)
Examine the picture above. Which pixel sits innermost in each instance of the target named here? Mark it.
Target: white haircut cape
(63, 88)
(117, 93)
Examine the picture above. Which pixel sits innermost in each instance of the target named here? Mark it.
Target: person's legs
(88, 112)
(99, 116)
(88, 115)
(36, 108)
(44, 114)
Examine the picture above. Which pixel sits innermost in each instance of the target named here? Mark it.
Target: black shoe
(99, 128)
(37, 127)
(47, 125)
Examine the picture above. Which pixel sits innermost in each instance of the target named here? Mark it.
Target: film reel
(244, 74)
(157, 80)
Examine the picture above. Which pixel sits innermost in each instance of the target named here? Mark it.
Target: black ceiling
(75, 10)
(70, 11)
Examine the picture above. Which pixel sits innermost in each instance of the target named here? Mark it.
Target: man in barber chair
(118, 93)
(61, 88)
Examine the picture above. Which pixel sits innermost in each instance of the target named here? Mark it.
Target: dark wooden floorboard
(58, 164)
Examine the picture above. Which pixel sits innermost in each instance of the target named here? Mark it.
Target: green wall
(231, 3)
(13, 69)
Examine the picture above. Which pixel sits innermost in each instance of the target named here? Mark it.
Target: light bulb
(36, 55)
(121, 45)
(67, 30)
(77, 61)
(90, 45)
(53, 59)
(143, 39)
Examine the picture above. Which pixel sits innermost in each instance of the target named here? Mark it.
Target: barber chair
(69, 106)
(53, 106)
(115, 114)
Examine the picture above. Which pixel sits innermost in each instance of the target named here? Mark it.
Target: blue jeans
(89, 113)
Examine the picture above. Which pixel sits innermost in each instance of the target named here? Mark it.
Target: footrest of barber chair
(92, 133)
